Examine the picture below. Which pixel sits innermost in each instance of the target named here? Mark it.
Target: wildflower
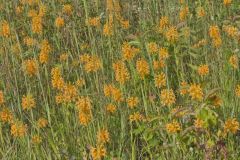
(18, 10)
(42, 10)
(80, 82)
(28, 102)
(181, 1)
(59, 98)
(203, 70)
(111, 108)
(160, 80)
(18, 129)
(167, 97)
(69, 93)
(31, 67)
(94, 21)
(57, 80)
(217, 42)
(200, 43)
(37, 25)
(214, 33)
(183, 13)
(163, 23)
(231, 126)
(36, 139)
(200, 12)
(198, 123)
(173, 127)
(158, 64)
(237, 91)
(85, 58)
(84, 110)
(84, 119)
(136, 117)
(103, 136)
(178, 112)
(116, 94)
(163, 53)
(184, 88)
(107, 29)
(63, 57)
(1, 97)
(231, 31)
(112, 91)
(99, 152)
(6, 115)
(152, 47)
(195, 92)
(45, 50)
(233, 60)
(142, 67)
(91, 63)
(227, 2)
(33, 13)
(121, 72)
(30, 2)
(42, 123)
(215, 100)
(109, 5)
(129, 52)
(59, 22)
(108, 90)
(124, 24)
(29, 41)
(132, 102)
(67, 9)
(172, 34)
(5, 29)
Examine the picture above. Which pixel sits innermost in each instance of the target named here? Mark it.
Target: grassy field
(119, 79)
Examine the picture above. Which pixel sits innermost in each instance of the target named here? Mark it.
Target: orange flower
(5, 29)
(111, 108)
(1, 97)
(18, 129)
(231, 125)
(142, 68)
(28, 102)
(203, 70)
(59, 22)
(237, 91)
(99, 152)
(160, 80)
(37, 25)
(103, 136)
(6, 115)
(121, 72)
(128, 51)
(67, 9)
(167, 97)
(173, 127)
(195, 92)
(233, 60)
(227, 2)
(172, 34)
(42, 123)
(31, 67)
(198, 123)
(132, 102)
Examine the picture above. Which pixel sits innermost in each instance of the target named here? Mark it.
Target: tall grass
(95, 35)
